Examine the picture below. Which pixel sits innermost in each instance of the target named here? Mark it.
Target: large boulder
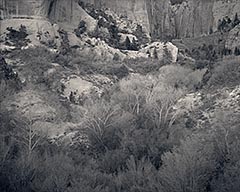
(76, 85)
(157, 50)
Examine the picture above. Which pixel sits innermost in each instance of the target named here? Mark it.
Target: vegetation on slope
(156, 128)
(136, 139)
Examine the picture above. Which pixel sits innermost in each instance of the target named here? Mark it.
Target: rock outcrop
(165, 52)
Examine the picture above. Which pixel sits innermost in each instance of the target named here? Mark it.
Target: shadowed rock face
(24, 8)
(197, 17)
(161, 19)
(66, 13)
(60, 10)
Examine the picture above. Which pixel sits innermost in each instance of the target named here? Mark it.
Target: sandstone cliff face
(198, 17)
(135, 10)
(66, 13)
(160, 19)
(192, 18)
(153, 15)
(24, 8)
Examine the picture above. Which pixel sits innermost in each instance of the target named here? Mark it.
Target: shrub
(139, 176)
(189, 167)
(181, 77)
(18, 38)
(150, 102)
(100, 124)
(143, 65)
(226, 73)
(82, 28)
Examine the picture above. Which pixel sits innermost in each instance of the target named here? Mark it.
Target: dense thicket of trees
(137, 140)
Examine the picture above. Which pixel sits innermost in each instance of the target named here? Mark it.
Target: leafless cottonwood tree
(99, 121)
(26, 135)
(151, 97)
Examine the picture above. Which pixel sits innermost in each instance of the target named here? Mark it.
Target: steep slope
(153, 15)
(47, 18)
(136, 11)
(192, 18)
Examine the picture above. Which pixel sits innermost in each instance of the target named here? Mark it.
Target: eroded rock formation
(192, 18)
(153, 15)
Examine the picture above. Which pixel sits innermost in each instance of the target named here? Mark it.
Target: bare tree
(149, 96)
(99, 120)
(159, 106)
(26, 135)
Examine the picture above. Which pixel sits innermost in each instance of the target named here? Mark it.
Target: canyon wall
(153, 15)
(162, 20)
(198, 17)
(192, 18)
(135, 10)
(66, 13)
(24, 8)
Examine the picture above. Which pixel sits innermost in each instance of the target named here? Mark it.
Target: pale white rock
(124, 36)
(161, 51)
(76, 84)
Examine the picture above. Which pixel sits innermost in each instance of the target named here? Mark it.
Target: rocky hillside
(119, 96)
(163, 19)
(82, 26)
